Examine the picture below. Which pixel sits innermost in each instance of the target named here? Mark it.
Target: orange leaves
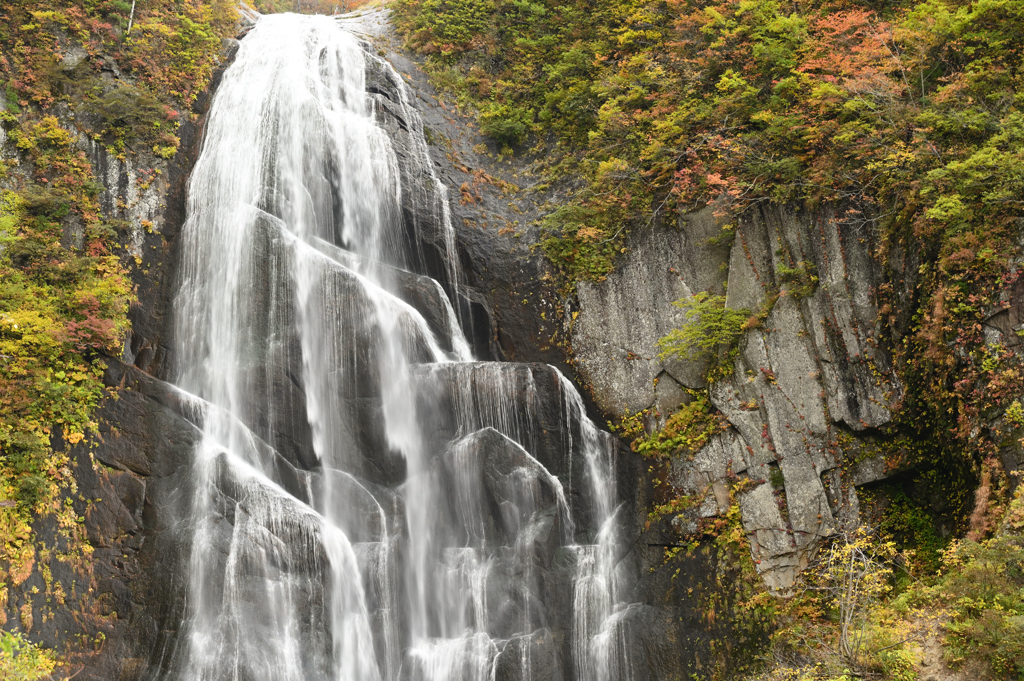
(591, 234)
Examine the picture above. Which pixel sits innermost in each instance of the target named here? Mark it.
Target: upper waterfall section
(293, 153)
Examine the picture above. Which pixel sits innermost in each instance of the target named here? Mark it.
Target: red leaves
(93, 330)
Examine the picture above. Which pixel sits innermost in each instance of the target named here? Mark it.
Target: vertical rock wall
(808, 381)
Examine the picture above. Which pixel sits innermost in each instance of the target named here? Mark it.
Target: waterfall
(367, 503)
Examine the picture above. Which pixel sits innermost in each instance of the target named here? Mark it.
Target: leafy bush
(582, 240)
(711, 330)
(685, 431)
(128, 114)
(21, 660)
(984, 587)
(448, 27)
(912, 527)
(800, 281)
(508, 125)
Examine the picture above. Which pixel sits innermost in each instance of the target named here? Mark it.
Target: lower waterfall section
(367, 502)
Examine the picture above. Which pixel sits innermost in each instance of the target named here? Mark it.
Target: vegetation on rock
(711, 331)
(71, 70)
(20, 660)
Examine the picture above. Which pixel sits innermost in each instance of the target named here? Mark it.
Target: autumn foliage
(75, 74)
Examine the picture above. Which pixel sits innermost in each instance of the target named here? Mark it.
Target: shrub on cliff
(711, 331)
(20, 660)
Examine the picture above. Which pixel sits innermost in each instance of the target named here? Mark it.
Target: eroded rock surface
(805, 384)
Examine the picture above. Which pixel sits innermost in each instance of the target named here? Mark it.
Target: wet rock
(529, 658)
(501, 495)
(647, 640)
(528, 403)
(364, 511)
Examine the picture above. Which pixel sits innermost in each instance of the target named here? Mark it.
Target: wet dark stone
(532, 657)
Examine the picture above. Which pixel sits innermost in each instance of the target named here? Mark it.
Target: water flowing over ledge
(366, 501)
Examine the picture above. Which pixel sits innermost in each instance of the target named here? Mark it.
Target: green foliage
(977, 599)
(127, 114)
(1015, 414)
(170, 52)
(800, 281)
(450, 26)
(21, 660)
(579, 238)
(711, 330)
(506, 124)
(912, 527)
(174, 48)
(839, 623)
(11, 99)
(685, 431)
(984, 589)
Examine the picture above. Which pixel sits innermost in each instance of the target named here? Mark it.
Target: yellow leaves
(22, 558)
(153, 27)
(110, 266)
(50, 16)
(28, 332)
(948, 209)
(47, 130)
(21, 659)
(766, 117)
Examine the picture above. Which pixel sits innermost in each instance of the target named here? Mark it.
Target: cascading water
(367, 503)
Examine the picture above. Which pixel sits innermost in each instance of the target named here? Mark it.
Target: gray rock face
(805, 382)
(127, 494)
(615, 335)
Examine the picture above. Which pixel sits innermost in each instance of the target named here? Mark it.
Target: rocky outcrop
(102, 608)
(508, 299)
(615, 335)
(808, 381)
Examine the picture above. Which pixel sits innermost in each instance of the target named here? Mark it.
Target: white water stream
(367, 502)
